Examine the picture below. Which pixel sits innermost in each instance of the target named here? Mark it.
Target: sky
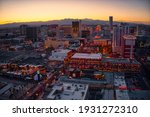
(45, 10)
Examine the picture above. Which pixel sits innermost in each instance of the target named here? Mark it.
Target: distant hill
(67, 21)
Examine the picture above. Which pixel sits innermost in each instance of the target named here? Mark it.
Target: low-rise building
(68, 91)
(85, 61)
(120, 65)
(55, 43)
(59, 54)
(122, 95)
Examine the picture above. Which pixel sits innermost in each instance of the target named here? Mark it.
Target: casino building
(85, 61)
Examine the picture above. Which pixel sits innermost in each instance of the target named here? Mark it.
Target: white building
(68, 91)
(59, 54)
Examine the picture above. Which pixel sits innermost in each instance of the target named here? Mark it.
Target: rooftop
(129, 37)
(61, 51)
(122, 95)
(68, 91)
(119, 81)
(84, 80)
(87, 56)
(139, 95)
(102, 39)
(120, 60)
(59, 54)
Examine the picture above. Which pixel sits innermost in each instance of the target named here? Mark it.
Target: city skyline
(45, 10)
(74, 59)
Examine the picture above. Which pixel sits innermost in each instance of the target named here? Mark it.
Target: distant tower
(117, 40)
(75, 29)
(126, 30)
(80, 28)
(31, 33)
(23, 29)
(111, 22)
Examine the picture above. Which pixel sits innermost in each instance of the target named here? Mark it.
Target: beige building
(67, 29)
(55, 43)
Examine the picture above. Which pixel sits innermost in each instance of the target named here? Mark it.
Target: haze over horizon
(45, 10)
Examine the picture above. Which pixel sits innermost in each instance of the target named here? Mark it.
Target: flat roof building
(108, 95)
(122, 95)
(68, 91)
(55, 43)
(85, 61)
(120, 64)
(87, 56)
(139, 95)
(59, 54)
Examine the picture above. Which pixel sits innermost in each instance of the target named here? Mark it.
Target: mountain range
(66, 21)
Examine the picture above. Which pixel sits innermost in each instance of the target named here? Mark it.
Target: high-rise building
(129, 46)
(43, 31)
(53, 30)
(61, 33)
(133, 30)
(31, 33)
(75, 29)
(23, 29)
(117, 40)
(126, 30)
(143, 30)
(111, 22)
(80, 27)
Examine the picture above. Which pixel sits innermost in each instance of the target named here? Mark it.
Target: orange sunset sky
(44, 10)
